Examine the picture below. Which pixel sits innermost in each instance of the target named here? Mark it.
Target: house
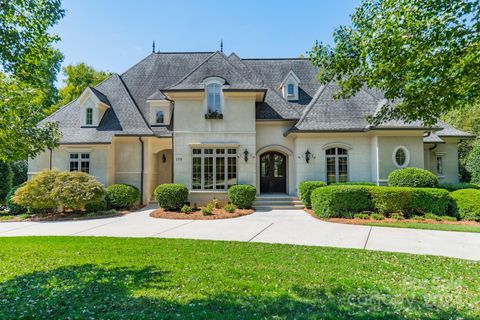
(209, 121)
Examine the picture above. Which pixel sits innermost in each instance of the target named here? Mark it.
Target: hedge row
(344, 201)
(466, 204)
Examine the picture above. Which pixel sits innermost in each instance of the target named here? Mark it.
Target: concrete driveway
(277, 226)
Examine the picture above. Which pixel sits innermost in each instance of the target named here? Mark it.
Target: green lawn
(428, 226)
(82, 278)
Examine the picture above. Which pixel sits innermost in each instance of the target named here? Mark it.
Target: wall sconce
(245, 155)
(308, 156)
(164, 159)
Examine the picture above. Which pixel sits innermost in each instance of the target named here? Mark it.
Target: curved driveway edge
(277, 226)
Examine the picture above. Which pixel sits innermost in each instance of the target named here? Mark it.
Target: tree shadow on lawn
(89, 291)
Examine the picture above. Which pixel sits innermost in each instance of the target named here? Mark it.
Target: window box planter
(213, 115)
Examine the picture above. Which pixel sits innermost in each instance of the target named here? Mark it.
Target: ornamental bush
(12, 207)
(121, 196)
(410, 201)
(5, 180)
(458, 186)
(37, 194)
(171, 196)
(412, 177)
(354, 183)
(97, 206)
(305, 189)
(242, 195)
(341, 201)
(466, 203)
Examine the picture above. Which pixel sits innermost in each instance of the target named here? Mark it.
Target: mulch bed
(198, 215)
(364, 221)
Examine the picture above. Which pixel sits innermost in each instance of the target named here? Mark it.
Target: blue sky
(114, 35)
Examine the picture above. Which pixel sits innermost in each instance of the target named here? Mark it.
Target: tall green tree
(28, 67)
(424, 55)
(77, 78)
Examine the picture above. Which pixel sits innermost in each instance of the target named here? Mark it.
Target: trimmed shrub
(242, 195)
(230, 207)
(458, 186)
(305, 189)
(121, 196)
(341, 201)
(19, 172)
(412, 177)
(377, 216)
(73, 190)
(171, 196)
(207, 210)
(466, 203)
(397, 216)
(431, 216)
(354, 183)
(410, 201)
(97, 206)
(186, 209)
(5, 180)
(12, 207)
(363, 216)
(36, 194)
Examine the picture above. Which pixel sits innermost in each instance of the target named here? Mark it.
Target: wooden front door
(273, 173)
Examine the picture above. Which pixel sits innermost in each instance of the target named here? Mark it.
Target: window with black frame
(214, 168)
(337, 165)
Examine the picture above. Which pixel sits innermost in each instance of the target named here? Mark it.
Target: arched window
(159, 117)
(401, 157)
(213, 98)
(89, 116)
(337, 165)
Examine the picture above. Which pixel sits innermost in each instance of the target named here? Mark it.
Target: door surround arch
(288, 165)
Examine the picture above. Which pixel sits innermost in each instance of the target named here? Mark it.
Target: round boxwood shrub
(12, 207)
(242, 195)
(96, 206)
(466, 203)
(305, 189)
(121, 196)
(341, 201)
(171, 196)
(412, 177)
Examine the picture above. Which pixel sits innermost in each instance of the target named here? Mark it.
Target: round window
(401, 157)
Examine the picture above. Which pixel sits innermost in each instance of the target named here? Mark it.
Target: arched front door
(273, 173)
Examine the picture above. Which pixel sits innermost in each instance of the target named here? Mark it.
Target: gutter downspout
(141, 169)
(434, 147)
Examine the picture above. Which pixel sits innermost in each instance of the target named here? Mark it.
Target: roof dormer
(92, 104)
(160, 109)
(289, 86)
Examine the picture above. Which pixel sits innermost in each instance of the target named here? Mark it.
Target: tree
(29, 65)
(79, 77)
(5, 180)
(424, 55)
(472, 162)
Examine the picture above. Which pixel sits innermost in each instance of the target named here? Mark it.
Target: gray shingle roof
(432, 138)
(315, 110)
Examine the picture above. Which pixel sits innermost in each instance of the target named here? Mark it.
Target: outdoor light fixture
(308, 156)
(164, 159)
(245, 155)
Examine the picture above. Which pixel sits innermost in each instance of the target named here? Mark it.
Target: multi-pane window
(440, 170)
(337, 165)
(213, 97)
(80, 162)
(159, 117)
(89, 117)
(214, 168)
(291, 89)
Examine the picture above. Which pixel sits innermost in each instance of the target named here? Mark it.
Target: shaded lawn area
(80, 277)
(427, 226)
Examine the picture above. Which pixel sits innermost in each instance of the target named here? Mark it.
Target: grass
(111, 278)
(426, 225)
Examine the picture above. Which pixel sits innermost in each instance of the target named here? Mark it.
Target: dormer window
(89, 116)
(213, 98)
(291, 89)
(160, 117)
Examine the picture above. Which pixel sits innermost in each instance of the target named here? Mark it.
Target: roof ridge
(182, 52)
(194, 69)
(275, 58)
(133, 101)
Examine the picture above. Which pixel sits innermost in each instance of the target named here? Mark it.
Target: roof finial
(153, 46)
(221, 45)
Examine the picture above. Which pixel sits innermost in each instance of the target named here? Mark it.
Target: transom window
(160, 117)
(401, 157)
(89, 116)
(80, 162)
(337, 165)
(213, 98)
(214, 168)
(291, 89)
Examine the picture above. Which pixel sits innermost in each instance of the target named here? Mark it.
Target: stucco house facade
(208, 121)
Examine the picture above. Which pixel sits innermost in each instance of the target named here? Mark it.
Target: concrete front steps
(277, 202)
